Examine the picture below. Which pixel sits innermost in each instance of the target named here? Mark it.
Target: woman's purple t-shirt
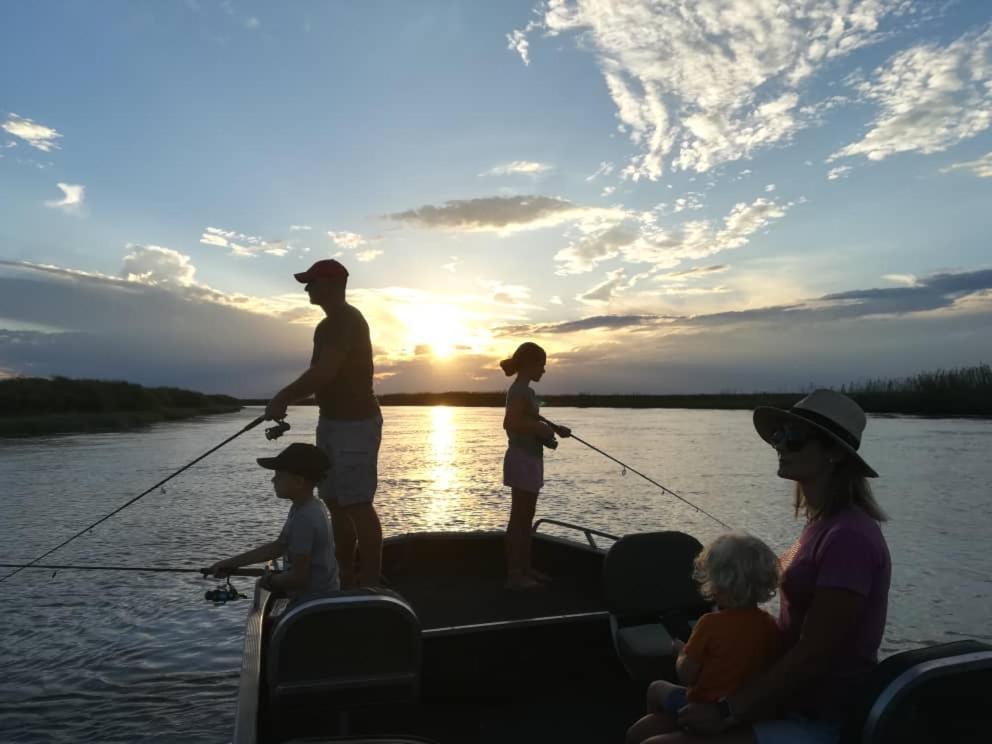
(843, 551)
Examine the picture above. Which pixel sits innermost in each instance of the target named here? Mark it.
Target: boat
(445, 654)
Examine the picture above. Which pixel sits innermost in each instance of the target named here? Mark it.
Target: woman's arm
(830, 622)
(688, 671)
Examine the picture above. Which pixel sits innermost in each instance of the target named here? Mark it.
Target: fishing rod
(143, 569)
(273, 432)
(626, 467)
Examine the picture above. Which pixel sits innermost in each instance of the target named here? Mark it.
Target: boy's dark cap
(301, 459)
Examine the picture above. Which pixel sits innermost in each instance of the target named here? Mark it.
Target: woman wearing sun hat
(834, 588)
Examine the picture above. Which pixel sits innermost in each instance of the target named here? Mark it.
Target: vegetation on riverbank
(965, 391)
(31, 406)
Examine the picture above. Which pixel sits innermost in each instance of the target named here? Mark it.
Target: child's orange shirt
(731, 646)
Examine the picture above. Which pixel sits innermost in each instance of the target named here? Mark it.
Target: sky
(724, 195)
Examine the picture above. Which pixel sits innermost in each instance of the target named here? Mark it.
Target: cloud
(592, 248)
(713, 81)
(930, 98)
(639, 239)
(694, 272)
(841, 171)
(72, 197)
(605, 168)
(369, 254)
(907, 279)
(37, 135)
(519, 167)
(249, 346)
(241, 244)
(604, 291)
(502, 214)
(507, 294)
(982, 167)
(157, 266)
(451, 265)
(298, 228)
(347, 240)
(596, 322)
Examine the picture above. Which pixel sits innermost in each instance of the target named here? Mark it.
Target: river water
(92, 656)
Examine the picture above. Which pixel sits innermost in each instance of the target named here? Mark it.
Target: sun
(440, 327)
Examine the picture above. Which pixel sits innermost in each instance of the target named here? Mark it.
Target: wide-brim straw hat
(827, 411)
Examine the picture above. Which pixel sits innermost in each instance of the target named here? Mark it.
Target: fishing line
(273, 433)
(626, 467)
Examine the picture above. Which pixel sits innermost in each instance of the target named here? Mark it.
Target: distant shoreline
(882, 402)
(39, 406)
(18, 427)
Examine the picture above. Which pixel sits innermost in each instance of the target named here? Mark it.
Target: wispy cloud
(37, 135)
(693, 273)
(501, 214)
(299, 228)
(605, 168)
(841, 171)
(712, 81)
(519, 168)
(930, 98)
(369, 254)
(981, 167)
(348, 240)
(241, 244)
(72, 197)
(639, 239)
(604, 291)
(507, 294)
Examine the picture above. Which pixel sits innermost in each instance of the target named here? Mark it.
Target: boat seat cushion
(651, 640)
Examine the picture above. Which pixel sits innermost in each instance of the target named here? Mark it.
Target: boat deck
(464, 582)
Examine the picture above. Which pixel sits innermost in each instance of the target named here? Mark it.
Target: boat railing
(589, 532)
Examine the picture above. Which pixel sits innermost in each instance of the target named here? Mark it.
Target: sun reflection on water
(443, 469)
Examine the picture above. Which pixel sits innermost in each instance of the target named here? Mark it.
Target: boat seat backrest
(353, 649)
(650, 574)
(941, 693)
(650, 594)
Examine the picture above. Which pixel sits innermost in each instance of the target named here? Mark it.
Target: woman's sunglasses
(792, 440)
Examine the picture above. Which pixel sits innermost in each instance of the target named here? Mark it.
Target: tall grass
(962, 391)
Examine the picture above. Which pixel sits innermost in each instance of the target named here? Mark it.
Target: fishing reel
(223, 593)
(551, 443)
(274, 432)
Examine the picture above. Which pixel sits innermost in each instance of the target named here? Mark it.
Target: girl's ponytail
(509, 367)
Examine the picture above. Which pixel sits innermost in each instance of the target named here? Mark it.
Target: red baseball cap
(326, 269)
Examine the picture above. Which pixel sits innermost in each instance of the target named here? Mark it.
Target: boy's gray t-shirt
(308, 531)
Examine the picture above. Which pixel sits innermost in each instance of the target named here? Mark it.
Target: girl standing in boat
(523, 464)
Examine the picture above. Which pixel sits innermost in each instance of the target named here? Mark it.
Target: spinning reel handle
(274, 432)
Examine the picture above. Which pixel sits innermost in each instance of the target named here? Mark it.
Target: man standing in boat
(349, 430)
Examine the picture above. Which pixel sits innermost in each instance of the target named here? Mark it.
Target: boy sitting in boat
(306, 540)
(727, 647)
